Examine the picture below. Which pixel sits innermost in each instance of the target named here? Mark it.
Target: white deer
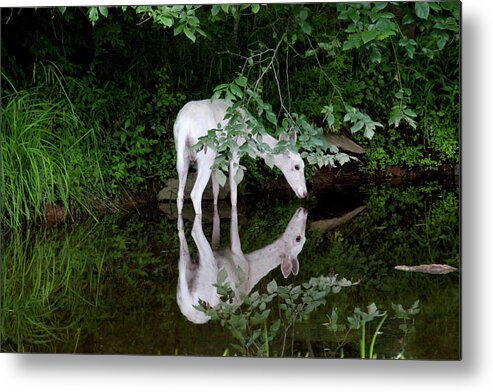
(198, 275)
(194, 120)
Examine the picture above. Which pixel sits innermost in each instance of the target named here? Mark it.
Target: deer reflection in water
(197, 275)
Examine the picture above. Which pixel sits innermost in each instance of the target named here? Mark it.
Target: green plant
(48, 158)
(359, 320)
(256, 319)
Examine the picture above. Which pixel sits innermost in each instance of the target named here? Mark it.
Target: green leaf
(269, 160)
(422, 9)
(189, 33)
(179, 29)
(354, 15)
(255, 8)
(347, 45)
(239, 175)
(330, 119)
(369, 133)
(220, 177)
(272, 287)
(222, 276)
(410, 112)
(241, 81)
(306, 27)
(168, 22)
(368, 36)
(441, 42)
(93, 15)
(375, 55)
(303, 14)
(379, 6)
(271, 117)
(236, 90)
(356, 127)
(408, 19)
(215, 10)
(103, 11)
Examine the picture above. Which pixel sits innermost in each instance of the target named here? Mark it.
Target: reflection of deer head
(198, 275)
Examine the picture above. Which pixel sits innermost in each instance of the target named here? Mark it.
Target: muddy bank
(325, 180)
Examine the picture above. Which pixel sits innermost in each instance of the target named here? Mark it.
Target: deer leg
(204, 163)
(204, 248)
(215, 189)
(182, 166)
(216, 229)
(233, 186)
(235, 236)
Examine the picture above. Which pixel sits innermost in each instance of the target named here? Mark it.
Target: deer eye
(297, 167)
(298, 239)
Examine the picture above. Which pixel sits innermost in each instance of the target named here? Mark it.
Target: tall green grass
(49, 157)
(51, 280)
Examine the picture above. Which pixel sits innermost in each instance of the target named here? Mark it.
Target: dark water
(123, 286)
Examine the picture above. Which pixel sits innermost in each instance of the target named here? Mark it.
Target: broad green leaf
(354, 15)
(221, 276)
(422, 9)
(178, 29)
(93, 15)
(189, 33)
(379, 6)
(236, 90)
(347, 45)
(410, 112)
(306, 27)
(167, 21)
(103, 11)
(271, 117)
(255, 8)
(239, 175)
(215, 10)
(372, 308)
(220, 177)
(375, 55)
(441, 42)
(369, 133)
(408, 19)
(269, 160)
(272, 287)
(368, 36)
(330, 119)
(357, 126)
(241, 81)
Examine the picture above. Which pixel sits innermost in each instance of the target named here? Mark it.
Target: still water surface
(311, 280)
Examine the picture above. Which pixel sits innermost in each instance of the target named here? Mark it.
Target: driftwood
(329, 224)
(427, 268)
(170, 190)
(344, 143)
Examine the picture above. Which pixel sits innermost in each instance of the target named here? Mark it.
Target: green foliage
(359, 320)
(49, 157)
(256, 319)
(385, 73)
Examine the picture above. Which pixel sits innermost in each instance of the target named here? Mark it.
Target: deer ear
(292, 134)
(286, 266)
(295, 266)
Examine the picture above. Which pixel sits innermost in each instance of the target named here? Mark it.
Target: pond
(275, 277)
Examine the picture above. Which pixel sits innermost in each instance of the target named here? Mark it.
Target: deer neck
(270, 141)
(264, 260)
